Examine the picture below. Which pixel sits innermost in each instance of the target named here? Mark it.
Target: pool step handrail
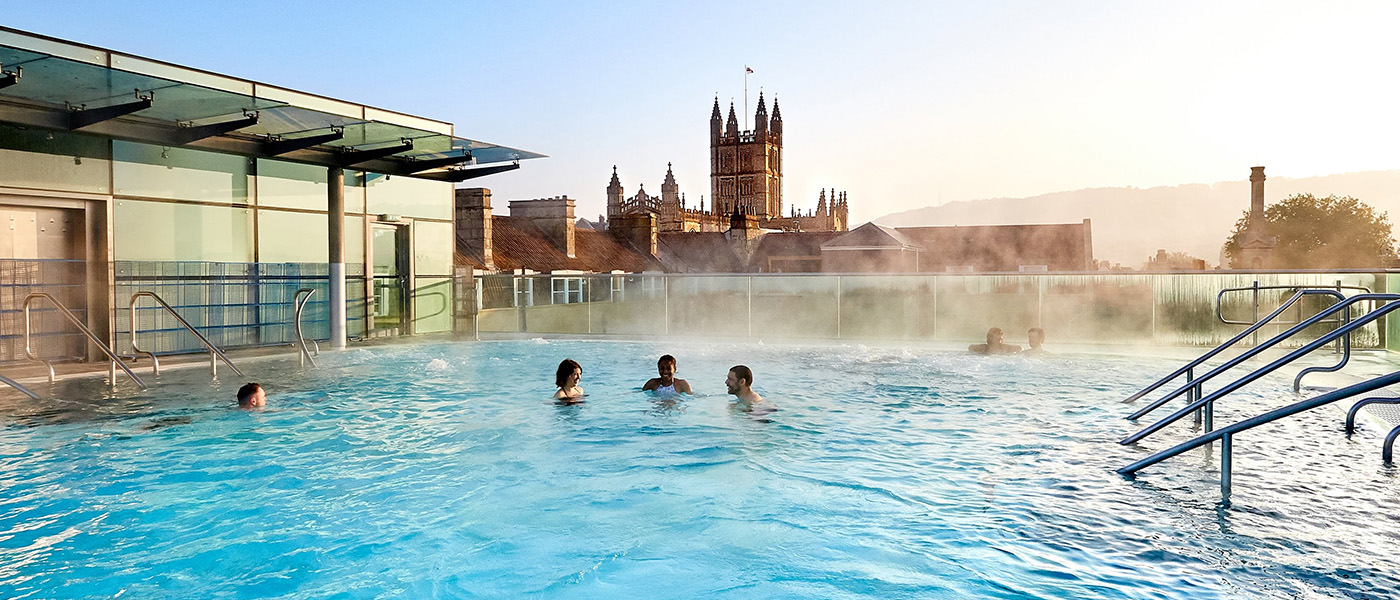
(1344, 304)
(15, 384)
(1190, 366)
(299, 303)
(1387, 448)
(1207, 402)
(215, 355)
(63, 310)
(1225, 434)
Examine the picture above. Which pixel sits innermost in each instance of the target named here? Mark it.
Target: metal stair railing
(299, 303)
(215, 355)
(1343, 345)
(1387, 448)
(63, 310)
(1224, 433)
(1208, 400)
(15, 384)
(1193, 384)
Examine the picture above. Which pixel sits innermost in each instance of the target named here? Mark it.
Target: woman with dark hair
(566, 378)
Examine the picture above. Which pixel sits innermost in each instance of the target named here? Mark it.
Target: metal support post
(1225, 466)
(335, 213)
(1254, 337)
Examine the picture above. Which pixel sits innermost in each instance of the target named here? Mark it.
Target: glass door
(390, 279)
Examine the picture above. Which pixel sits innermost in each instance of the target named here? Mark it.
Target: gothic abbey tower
(746, 176)
(746, 167)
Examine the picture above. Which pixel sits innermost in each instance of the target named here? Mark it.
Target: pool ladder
(299, 303)
(68, 314)
(215, 355)
(1197, 403)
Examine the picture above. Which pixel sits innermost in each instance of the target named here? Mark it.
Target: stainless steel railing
(300, 303)
(215, 355)
(15, 384)
(63, 310)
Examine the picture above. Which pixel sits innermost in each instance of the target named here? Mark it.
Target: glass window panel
(292, 237)
(355, 241)
(408, 197)
(433, 246)
(432, 305)
(162, 231)
(385, 248)
(294, 185)
(178, 173)
(354, 191)
(53, 160)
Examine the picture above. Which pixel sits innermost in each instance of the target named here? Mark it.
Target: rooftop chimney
(554, 216)
(474, 223)
(636, 229)
(1256, 194)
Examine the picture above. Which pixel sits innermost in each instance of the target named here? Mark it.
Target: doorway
(389, 244)
(42, 249)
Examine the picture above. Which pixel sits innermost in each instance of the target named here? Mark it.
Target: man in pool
(1036, 337)
(566, 378)
(739, 382)
(666, 383)
(994, 345)
(252, 396)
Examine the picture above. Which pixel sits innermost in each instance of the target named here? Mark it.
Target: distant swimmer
(994, 345)
(1036, 336)
(739, 382)
(566, 378)
(667, 384)
(252, 396)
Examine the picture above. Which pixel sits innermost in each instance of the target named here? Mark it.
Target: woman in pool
(566, 377)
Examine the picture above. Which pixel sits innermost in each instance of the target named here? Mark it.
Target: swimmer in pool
(667, 384)
(566, 377)
(994, 345)
(739, 383)
(1036, 336)
(252, 396)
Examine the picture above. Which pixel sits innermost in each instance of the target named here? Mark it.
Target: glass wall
(283, 184)
(146, 231)
(408, 197)
(148, 171)
(53, 160)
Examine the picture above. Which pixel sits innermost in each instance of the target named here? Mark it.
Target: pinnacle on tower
(731, 127)
(715, 115)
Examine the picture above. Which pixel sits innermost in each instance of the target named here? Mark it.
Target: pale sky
(900, 104)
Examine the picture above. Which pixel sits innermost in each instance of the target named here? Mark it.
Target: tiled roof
(516, 243)
(874, 235)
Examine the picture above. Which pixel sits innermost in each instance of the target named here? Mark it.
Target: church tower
(614, 197)
(746, 166)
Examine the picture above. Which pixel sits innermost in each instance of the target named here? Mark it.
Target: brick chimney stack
(473, 219)
(554, 216)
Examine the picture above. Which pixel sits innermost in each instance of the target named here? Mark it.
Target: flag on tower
(747, 69)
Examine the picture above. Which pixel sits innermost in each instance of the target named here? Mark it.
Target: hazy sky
(901, 104)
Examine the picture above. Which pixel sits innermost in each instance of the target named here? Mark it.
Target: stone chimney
(554, 216)
(638, 230)
(1256, 194)
(474, 224)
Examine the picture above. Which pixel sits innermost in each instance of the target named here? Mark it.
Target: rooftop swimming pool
(445, 471)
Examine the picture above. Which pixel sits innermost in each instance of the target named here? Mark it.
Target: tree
(1335, 232)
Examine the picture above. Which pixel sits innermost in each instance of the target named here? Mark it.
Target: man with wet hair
(994, 345)
(1036, 337)
(251, 395)
(666, 383)
(739, 383)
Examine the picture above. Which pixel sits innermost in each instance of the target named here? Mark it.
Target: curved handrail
(15, 384)
(215, 354)
(72, 318)
(298, 304)
(1219, 306)
(1356, 408)
(1290, 357)
(1218, 349)
(1387, 449)
(1273, 415)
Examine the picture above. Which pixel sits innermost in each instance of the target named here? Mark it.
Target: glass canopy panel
(485, 152)
(288, 120)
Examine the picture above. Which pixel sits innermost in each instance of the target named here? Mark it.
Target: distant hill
(1130, 224)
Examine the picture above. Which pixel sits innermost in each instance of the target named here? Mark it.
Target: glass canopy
(56, 78)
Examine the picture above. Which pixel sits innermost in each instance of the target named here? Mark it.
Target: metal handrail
(1196, 383)
(1389, 446)
(1224, 434)
(1290, 357)
(1356, 408)
(299, 303)
(15, 384)
(215, 355)
(1219, 306)
(28, 351)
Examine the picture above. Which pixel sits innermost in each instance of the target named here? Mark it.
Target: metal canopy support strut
(185, 135)
(419, 166)
(354, 157)
(335, 212)
(283, 146)
(81, 118)
(9, 78)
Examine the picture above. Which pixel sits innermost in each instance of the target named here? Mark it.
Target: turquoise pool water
(444, 471)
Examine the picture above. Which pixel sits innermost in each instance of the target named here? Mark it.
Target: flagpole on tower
(747, 71)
